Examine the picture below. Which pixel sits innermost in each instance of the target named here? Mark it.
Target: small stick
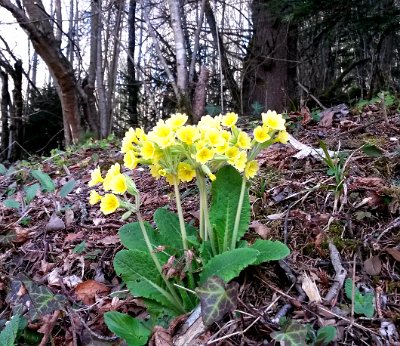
(49, 327)
(311, 95)
(339, 277)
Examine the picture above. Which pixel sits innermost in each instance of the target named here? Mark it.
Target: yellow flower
(282, 137)
(212, 176)
(130, 136)
(243, 141)
(130, 160)
(126, 145)
(273, 120)
(232, 153)
(261, 134)
(114, 169)
(188, 134)
(185, 172)
(251, 169)
(170, 178)
(213, 137)
(229, 119)
(204, 155)
(207, 122)
(147, 150)
(118, 184)
(161, 131)
(240, 162)
(109, 203)
(94, 197)
(154, 171)
(95, 177)
(222, 148)
(140, 134)
(177, 120)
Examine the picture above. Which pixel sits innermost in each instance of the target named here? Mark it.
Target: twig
(96, 335)
(49, 327)
(394, 224)
(311, 95)
(301, 297)
(339, 277)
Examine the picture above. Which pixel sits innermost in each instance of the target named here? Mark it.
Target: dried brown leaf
(373, 265)
(395, 253)
(69, 218)
(161, 337)
(262, 230)
(73, 236)
(327, 118)
(55, 224)
(310, 288)
(88, 290)
(110, 239)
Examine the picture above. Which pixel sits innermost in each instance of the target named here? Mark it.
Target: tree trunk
(181, 59)
(219, 46)
(101, 92)
(37, 25)
(16, 121)
(269, 69)
(133, 88)
(113, 69)
(5, 116)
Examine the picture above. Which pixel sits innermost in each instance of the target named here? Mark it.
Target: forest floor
(56, 252)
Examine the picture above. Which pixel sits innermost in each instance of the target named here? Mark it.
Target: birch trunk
(180, 54)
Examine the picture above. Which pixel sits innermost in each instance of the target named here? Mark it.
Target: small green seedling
(363, 303)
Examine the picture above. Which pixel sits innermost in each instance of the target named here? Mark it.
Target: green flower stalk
(172, 295)
(238, 212)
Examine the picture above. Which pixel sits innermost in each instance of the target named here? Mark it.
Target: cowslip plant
(165, 265)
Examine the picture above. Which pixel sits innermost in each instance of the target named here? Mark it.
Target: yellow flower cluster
(175, 149)
(180, 152)
(114, 181)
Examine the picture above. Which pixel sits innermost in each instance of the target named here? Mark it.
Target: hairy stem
(238, 213)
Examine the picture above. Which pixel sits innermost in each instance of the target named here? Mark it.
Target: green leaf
(363, 303)
(30, 192)
(132, 330)
(325, 335)
(371, 150)
(80, 248)
(131, 236)
(3, 169)
(294, 335)
(44, 180)
(170, 232)
(8, 335)
(217, 300)
(67, 188)
(39, 298)
(138, 271)
(225, 195)
(11, 203)
(229, 264)
(270, 250)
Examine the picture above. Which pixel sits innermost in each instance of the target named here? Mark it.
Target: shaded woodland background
(113, 64)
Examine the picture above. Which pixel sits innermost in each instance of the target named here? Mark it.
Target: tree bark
(5, 116)
(180, 54)
(219, 46)
(270, 67)
(37, 25)
(133, 87)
